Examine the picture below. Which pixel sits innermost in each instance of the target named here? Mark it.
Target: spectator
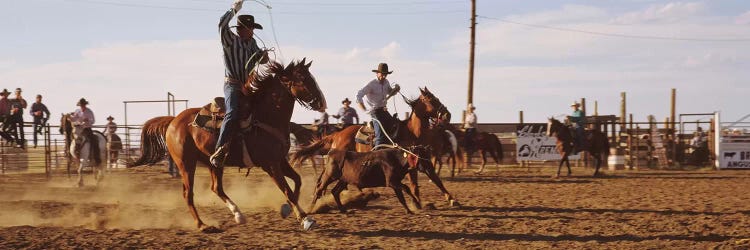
(16, 116)
(41, 114)
(111, 127)
(5, 116)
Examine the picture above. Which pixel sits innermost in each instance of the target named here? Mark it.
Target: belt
(231, 80)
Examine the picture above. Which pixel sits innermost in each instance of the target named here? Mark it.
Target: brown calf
(381, 168)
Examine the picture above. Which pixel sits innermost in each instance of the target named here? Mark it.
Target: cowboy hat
(471, 106)
(82, 102)
(109, 118)
(575, 104)
(247, 21)
(18, 90)
(5, 92)
(382, 68)
(346, 100)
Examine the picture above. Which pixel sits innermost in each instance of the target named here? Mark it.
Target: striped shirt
(237, 53)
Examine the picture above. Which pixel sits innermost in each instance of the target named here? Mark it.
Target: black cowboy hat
(18, 90)
(109, 118)
(382, 68)
(5, 92)
(247, 21)
(82, 102)
(346, 100)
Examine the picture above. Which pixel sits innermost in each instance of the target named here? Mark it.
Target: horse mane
(259, 79)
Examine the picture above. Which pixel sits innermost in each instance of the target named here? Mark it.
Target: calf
(382, 168)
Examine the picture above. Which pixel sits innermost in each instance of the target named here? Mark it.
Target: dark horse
(304, 137)
(265, 143)
(413, 131)
(484, 142)
(595, 142)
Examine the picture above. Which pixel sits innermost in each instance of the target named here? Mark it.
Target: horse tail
(452, 139)
(153, 141)
(310, 150)
(498, 148)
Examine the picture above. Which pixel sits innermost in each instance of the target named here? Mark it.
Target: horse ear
(303, 61)
(308, 64)
(288, 67)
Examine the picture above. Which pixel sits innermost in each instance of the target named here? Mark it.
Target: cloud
(390, 51)
(743, 19)
(669, 13)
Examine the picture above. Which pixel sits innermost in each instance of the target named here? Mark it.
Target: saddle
(366, 134)
(211, 115)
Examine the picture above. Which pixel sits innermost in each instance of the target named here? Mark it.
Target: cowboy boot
(217, 159)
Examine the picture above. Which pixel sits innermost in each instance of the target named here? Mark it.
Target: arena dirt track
(143, 208)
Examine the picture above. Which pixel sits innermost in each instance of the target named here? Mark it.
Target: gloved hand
(237, 5)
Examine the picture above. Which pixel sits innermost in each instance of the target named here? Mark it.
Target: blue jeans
(380, 115)
(232, 94)
(579, 135)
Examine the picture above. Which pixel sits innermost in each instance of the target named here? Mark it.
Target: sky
(535, 56)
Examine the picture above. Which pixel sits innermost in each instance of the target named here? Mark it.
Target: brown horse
(595, 142)
(484, 143)
(265, 143)
(414, 131)
(304, 137)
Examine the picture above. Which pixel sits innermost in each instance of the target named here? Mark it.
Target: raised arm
(227, 37)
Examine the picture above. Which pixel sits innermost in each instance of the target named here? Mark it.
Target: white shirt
(86, 118)
(376, 93)
(470, 121)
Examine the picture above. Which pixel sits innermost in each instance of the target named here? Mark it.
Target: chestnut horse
(265, 143)
(595, 142)
(413, 131)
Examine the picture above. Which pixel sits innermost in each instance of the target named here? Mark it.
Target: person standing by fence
(41, 114)
(5, 116)
(18, 104)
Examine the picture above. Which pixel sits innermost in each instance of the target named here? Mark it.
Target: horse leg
(288, 171)
(439, 183)
(217, 185)
(278, 178)
(336, 192)
(439, 166)
(81, 164)
(567, 163)
(484, 161)
(324, 180)
(187, 171)
(597, 161)
(414, 184)
(400, 195)
(559, 166)
(413, 198)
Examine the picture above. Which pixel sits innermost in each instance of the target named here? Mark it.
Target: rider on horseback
(577, 120)
(84, 117)
(470, 126)
(378, 91)
(241, 56)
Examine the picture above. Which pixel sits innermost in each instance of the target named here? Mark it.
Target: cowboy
(111, 127)
(41, 114)
(16, 117)
(347, 114)
(241, 56)
(378, 91)
(5, 116)
(578, 120)
(84, 117)
(470, 127)
(321, 124)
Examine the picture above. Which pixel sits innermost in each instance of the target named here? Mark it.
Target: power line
(688, 39)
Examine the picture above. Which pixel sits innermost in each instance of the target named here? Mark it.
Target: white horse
(81, 152)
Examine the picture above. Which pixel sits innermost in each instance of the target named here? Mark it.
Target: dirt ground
(513, 209)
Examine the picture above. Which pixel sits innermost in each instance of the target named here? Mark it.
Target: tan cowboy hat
(82, 102)
(346, 100)
(5, 92)
(382, 68)
(470, 107)
(575, 104)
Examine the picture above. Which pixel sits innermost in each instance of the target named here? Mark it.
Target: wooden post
(584, 155)
(630, 142)
(596, 108)
(520, 116)
(471, 50)
(623, 109)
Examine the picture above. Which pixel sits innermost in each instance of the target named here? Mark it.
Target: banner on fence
(533, 144)
(735, 155)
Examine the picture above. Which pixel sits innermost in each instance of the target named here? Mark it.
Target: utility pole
(471, 51)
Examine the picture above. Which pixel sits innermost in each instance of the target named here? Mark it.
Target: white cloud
(743, 19)
(390, 51)
(670, 12)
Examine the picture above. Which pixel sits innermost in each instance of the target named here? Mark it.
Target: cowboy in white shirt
(377, 92)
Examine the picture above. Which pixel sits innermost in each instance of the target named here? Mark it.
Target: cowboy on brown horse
(577, 120)
(377, 92)
(241, 56)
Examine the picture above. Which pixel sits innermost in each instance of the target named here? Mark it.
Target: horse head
(296, 77)
(65, 127)
(427, 105)
(554, 127)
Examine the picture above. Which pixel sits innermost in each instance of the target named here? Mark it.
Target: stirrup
(217, 159)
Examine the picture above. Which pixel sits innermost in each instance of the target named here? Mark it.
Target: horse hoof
(210, 230)
(239, 218)
(286, 210)
(454, 203)
(308, 223)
